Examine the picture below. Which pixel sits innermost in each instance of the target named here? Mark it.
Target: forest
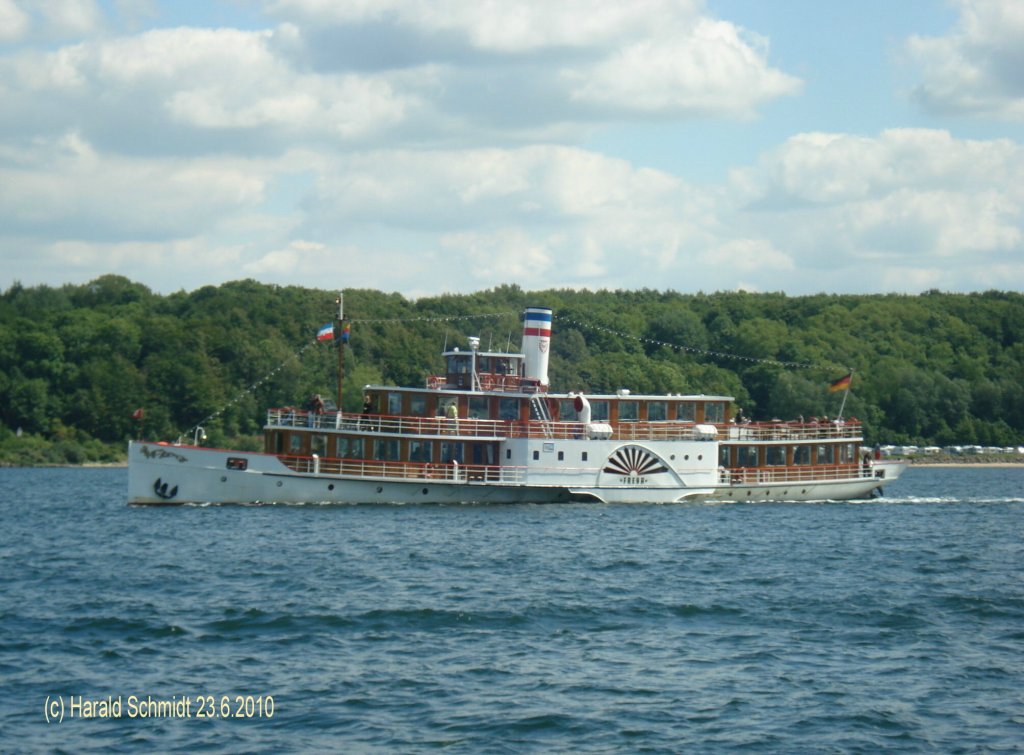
(83, 368)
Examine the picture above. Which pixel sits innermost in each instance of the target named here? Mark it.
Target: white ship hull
(166, 475)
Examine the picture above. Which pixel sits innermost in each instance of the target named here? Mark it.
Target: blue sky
(455, 145)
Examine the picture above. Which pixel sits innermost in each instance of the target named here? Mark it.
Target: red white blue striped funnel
(537, 343)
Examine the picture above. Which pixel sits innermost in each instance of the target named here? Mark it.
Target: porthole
(279, 483)
(223, 478)
(672, 457)
(686, 458)
(424, 491)
(700, 457)
(380, 489)
(331, 486)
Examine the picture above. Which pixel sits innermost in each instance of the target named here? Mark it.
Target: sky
(451, 146)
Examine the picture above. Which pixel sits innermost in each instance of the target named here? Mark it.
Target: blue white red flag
(326, 333)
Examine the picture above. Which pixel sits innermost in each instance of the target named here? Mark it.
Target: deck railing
(404, 470)
(501, 429)
(794, 474)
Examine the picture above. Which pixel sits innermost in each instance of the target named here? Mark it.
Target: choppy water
(843, 627)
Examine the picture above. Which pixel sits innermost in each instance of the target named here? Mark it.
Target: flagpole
(341, 346)
(845, 394)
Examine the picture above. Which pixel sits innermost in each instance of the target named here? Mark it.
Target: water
(842, 627)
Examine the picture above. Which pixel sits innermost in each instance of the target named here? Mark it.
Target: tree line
(85, 367)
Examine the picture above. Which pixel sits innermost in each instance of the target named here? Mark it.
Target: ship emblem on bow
(160, 488)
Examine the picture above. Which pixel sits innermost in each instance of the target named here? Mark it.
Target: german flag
(842, 384)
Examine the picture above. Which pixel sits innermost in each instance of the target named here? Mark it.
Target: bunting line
(689, 349)
(445, 318)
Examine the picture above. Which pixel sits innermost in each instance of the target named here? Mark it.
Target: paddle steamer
(489, 430)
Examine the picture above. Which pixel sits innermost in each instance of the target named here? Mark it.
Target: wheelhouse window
(657, 411)
(629, 411)
(686, 411)
(394, 402)
(459, 364)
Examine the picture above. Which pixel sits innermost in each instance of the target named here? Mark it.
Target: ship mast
(340, 340)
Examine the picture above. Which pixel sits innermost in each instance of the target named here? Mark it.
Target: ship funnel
(537, 343)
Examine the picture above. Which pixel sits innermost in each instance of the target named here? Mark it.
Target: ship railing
(404, 470)
(558, 430)
(796, 431)
(794, 474)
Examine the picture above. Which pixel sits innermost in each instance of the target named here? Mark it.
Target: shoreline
(953, 464)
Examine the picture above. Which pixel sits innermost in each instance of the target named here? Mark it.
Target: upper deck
(490, 429)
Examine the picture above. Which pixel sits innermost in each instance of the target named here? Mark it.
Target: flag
(137, 414)
(326, 333)
(344, 333)
(842, 384)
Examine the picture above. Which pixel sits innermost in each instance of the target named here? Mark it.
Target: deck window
(628, 411)
(508, 409)
(295, 443)
(802, 455)
(318, 444)
(714, 412)
(599, 411)
(385, 450)
(421, 451)
(826, 454)
(775, 456)
(657, 411)
(567, 409)
(478, 408)
(418, 405)
(451, 452)
(350, 448)
(686, 411)
(746, 456)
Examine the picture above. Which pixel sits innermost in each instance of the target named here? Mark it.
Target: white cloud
(707, 68)
(14, 22)
(978, 68)
(907, 199)
(577, 59)
(65, 188)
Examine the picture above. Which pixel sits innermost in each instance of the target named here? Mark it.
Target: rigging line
(689, 349)
(251, 389)
(444, 318)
